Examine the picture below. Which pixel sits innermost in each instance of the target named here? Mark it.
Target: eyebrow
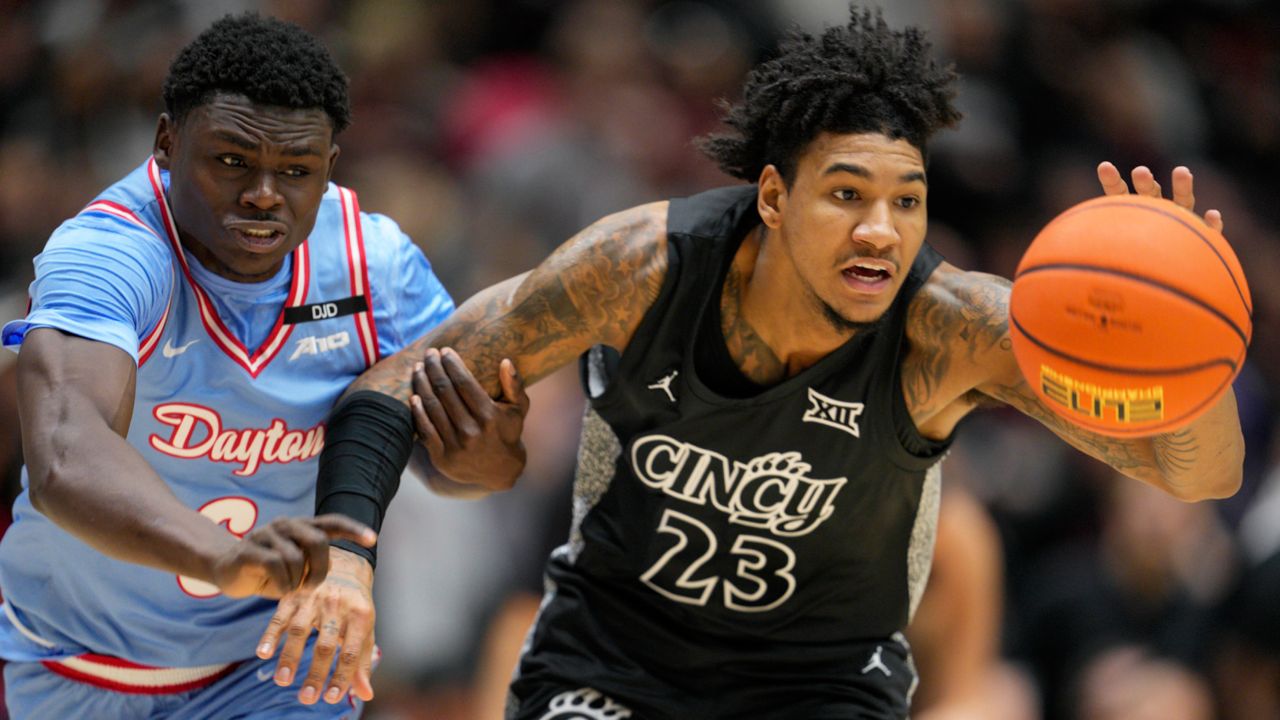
(852, 169)
(245, 143)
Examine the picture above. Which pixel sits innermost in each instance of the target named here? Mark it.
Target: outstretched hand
(342, 610)
(1144, 183)
(471, 438)
(284, 555)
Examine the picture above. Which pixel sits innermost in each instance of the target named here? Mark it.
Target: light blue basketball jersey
(235, 431)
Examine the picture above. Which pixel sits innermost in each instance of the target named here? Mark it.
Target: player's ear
(771, 198)
(166, 129)
(334, 152)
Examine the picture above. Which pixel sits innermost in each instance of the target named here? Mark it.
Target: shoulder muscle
(594, 289)
(958, 327)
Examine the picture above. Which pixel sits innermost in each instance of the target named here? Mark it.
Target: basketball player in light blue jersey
(190, 329)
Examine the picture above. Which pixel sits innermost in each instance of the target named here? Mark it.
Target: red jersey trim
(148, 344)
(107, 207)
(252, 363)
(112, 673)
(357, 262)
(116, 210)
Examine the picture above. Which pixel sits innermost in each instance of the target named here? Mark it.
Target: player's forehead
(233, 117)
(872, 155)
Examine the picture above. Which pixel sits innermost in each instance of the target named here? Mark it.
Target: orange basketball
(1129, 315)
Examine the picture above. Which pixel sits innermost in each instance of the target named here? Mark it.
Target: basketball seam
(1244, 338)
(1118, 368)
(1248, 308)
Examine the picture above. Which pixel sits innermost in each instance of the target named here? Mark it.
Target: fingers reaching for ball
(1144, 183)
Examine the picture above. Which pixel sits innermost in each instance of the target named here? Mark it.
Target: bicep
(65, 381)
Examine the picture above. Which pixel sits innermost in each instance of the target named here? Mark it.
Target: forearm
(1201, 461)
(75, 400)
(474, 330)
(94, 485)
(1205, 459)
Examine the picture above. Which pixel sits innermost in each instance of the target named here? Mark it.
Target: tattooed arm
(960, 331)
(593, 289)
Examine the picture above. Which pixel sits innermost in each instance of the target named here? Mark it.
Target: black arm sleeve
(367, 445)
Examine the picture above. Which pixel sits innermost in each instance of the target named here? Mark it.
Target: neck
(778, 303)
(772, 327)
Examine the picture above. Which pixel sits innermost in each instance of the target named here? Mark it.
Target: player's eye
(845, 194)
(297, 172)
(231, 160)
(909, 202)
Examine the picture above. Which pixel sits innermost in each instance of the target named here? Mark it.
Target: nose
(262, 193)
(875, 228)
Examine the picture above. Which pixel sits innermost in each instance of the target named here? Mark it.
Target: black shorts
(878, 688)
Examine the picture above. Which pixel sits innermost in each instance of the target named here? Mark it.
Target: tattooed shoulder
(613, 271)
(970, 313)
(957, 327)
(966, 312)
(594, 288)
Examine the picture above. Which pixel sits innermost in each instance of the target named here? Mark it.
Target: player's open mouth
(869, 275)
(258, 237)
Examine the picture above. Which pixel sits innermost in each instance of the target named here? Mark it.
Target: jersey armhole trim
(114, 209)
(652, 317)
(148, 344)
(358, 267)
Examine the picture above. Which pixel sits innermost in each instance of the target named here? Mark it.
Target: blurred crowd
(492, 130)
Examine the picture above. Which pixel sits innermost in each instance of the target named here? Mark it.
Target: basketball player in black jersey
(774, 371)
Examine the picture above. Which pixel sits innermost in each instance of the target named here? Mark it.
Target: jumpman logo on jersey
(665, 385)
(877, 663)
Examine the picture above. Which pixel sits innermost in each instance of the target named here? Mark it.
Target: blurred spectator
(1140, 598)
(955, 635)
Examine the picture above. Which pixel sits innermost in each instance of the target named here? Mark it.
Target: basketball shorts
(877, 687)
(94, 689)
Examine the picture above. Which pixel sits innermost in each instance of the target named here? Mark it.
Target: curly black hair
(269, 61)
(863, 77)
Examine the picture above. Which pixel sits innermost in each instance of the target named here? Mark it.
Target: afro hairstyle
(268, 61)
(860, 78)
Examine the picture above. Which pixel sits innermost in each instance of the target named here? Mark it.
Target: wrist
(208, 548)
(345, 562)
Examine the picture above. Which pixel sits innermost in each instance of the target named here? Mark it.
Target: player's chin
(256, 263)
(856, 316)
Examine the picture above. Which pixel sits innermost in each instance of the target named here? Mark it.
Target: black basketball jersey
(728, 542)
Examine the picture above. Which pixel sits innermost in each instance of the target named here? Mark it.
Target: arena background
(492, 129)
